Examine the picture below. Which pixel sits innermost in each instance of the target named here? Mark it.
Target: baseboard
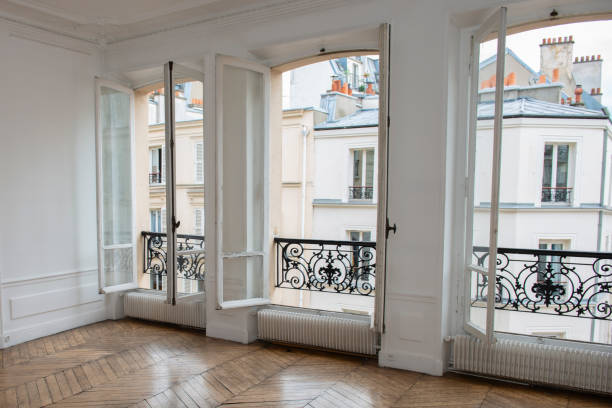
(23, 334)
(220, 331)
(411, 362)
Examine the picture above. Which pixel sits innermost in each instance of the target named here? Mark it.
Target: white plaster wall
(333, 221)
(48, 257)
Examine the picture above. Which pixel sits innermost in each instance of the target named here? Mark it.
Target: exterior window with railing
(363, 175)
(556, 175)
(157, 164)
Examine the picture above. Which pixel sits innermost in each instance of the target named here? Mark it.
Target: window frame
(571, 159)
(102, 287)
(220, 62)
(495, 22)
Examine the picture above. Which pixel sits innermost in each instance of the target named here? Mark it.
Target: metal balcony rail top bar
(557, 194)
(346, 267)
(361, 192)
(155, 178)
(190, 261)
(558, 282)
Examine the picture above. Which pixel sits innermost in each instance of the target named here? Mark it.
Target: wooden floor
(141, 364)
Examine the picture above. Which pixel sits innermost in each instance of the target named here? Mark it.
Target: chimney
(542, 79)
(578, 94)
(588, 73)
(556, 61)
(370, 90)
(510, 80)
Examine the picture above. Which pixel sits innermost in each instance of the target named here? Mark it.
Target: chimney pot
(592, 58)
(542, 79)
(598, 91)
(576, 59)
(569, 100)
(571, 38)
(581, 59)
(560, 39)
(598, 57)
(564, 39)
(510, 79)
(562, 101)
(543, 40)
(578, 93)
(592, 91)
(555, 76)
(554, 40)
(548, 41)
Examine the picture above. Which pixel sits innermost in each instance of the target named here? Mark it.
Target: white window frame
(496, 22)
(220, 62)
(162, 164)
(102, 287)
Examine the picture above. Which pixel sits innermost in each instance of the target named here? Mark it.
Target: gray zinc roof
(529, 107)
(361, 118)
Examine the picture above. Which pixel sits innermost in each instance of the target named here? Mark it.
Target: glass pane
(242, 278)
(478, 301)
(367, 236)
(357, 167)
(562, 164)
(118, 266)
(370, 168)
(243, 159)
(116, 167)
(547, 173)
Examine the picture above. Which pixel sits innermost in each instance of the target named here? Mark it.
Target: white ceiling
(108, 21)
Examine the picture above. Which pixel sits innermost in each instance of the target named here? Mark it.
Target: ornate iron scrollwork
(326, 266)
(568, 283)
(189, 266)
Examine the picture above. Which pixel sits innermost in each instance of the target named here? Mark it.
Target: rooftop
(530, 107)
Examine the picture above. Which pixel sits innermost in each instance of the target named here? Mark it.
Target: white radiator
(535, 363)
(318, 330)
(151, 306)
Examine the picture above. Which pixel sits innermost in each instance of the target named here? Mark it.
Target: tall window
(555, 178)
(199, 162)
(549, 266)
(158, 220)
(157, 166)
(355, 78)
(363, 175)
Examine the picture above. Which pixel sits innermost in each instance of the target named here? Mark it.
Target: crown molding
(43, 36)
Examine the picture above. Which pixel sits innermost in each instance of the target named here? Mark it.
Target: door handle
(390, 228)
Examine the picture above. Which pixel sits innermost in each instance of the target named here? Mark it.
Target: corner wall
(48, 259)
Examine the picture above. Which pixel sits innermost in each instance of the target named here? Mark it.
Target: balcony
(155, 178)
(190, 258)
(557, 194)
(563, 283)
(361, 192)
(346, 267)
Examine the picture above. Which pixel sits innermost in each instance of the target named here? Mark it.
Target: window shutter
(163, 220)
(163, 164)
(199, 163)
(199, 221)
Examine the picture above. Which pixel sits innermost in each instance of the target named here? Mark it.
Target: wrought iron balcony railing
(190, 256)
(567, 283)
(361, 192)
(155, 178)
(557, 194)
(326, 266)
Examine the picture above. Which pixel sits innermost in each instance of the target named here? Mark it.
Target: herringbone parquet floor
(142, 364)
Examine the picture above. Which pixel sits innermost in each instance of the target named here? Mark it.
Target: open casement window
(483, 186)
(243, 244)
(180, 252)
(115, 187)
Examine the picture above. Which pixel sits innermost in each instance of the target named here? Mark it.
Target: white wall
(48, 257)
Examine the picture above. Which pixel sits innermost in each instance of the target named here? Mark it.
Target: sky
(590, 38)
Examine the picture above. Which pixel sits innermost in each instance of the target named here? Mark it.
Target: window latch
(390, 228)
(175, 223)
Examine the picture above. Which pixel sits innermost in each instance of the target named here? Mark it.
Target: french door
(483, 186)
(242, 193)
(115, 185)
(182, 218)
